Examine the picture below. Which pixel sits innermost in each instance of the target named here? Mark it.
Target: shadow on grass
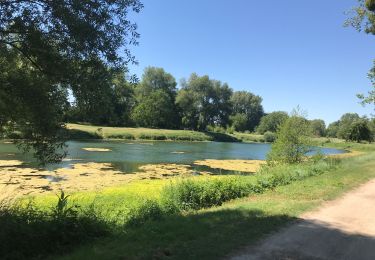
(202, 235)
(75, 134)
(221, 137)
(217, 234)
(28, 233)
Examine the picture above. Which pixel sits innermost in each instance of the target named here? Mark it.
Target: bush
(152, 136)
(197, 194)
(125, 136)
(269, 137)
(27, 232)
(216, 129)
(145, 211)
(292, 141)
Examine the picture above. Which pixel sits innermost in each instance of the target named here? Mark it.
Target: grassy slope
(138, 133)
(78, 131)
(215, 232)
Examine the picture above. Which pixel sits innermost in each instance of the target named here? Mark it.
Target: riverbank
(177, 217)
(213, 232)
(181, 217)
(77, 131)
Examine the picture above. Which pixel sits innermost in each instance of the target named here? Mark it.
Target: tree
(333, 129)
(364, 20)
(345, 124)
(154, 111)
(271, 122)
(292, 141)
(247, 110)
(318, 127)
(240, 122)
(204, 102)
(112, 107)
(360, 131)
(156, 95)
(48, 47)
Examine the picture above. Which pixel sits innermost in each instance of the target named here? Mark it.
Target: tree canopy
(318, 127)
(363, 19)
(247, 110)
(50, 47)
(204, 102)
(271, 121)
(292, 141)
(156, 96)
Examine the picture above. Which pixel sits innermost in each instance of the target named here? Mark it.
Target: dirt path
(341, 229)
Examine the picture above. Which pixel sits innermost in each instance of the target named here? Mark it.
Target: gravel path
(341, 229)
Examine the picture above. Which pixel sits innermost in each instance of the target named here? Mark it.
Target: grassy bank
(214, 232)
(77, 131)
(198, 217)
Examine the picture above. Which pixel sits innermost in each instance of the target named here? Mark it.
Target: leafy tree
(271, 122)
(48, 47)
(292, 141)
(333, 129)
(318, 127)
(154, 111)
(360, 131)
(239, 121)
(364, 20)
(112, 107)
(345, 124)
(204, 102)
(157, 79)
(150, 112)
(246, 106)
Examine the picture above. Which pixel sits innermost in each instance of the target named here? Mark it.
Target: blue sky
(293, 52)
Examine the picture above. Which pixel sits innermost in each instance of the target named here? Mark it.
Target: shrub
(125, 136)
(152, 136)
(194, 194)
(269, 137)
(27, 232)
(292, 141)
(145, 211)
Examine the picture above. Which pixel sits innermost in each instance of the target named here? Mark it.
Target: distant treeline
(199, 104)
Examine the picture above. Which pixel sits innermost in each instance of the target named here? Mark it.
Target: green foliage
(77, 51)
(333, 129)
(204, 102)
(271, 122)
(364, 20)
(155, 111)
(345, 124)
(269, 137)
(351, 127)
(247, 110)
(239, 122)
(156, 96)
(28, 232)
(360, 131)
(197, 194)
(318, 127)
(292, 141)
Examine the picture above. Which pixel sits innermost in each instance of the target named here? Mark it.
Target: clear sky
(293, 52)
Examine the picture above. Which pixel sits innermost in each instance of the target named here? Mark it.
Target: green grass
(193, 218)
(215, 232)
(250, 137)
(342, 144)
(77, 131)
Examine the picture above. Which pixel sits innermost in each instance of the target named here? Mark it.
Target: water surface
(129, 155)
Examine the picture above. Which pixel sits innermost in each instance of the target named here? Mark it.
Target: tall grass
(28, 232)
(197, 194)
